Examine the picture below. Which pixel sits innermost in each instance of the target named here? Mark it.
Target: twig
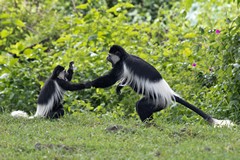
(74, 8)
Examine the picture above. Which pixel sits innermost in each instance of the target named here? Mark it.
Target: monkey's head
(59, 72)
(116, 53)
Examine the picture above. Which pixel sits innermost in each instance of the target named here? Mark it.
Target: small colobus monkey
(144, 79)
(49, 104)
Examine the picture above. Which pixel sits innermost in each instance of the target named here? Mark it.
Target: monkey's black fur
(49, 104)
(51, 95)
(144, 79)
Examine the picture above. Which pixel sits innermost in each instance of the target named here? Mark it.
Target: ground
(87, 136)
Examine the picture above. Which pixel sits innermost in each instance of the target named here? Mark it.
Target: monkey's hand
(88, 84)
(71, 65)
(118, 89)
(70, 71)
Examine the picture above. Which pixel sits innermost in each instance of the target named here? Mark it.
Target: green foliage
(171, 35)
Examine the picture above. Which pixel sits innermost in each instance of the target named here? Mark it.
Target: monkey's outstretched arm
(104, 81)
(107, 80)
(67, 86)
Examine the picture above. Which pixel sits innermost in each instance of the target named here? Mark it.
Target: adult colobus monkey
(49, 104)
(144, 79)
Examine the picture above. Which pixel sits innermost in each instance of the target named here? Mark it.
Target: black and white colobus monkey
(144, 79)
(49, 104)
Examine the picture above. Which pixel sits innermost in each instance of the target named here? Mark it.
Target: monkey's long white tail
(21, 114)
(208, 118)
(222, 123)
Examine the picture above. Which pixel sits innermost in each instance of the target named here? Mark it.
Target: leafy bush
(196, 52)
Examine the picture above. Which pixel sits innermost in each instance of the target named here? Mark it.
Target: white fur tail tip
(222, 123)
(19, 114)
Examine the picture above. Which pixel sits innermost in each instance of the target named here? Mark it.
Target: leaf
(190, 35)
(5, 33)
(128, 5)
(41, 83)
(119, 6)
(143, 56)
(13, 61)
(166, 52)
(172, 38)
(64, 39)
(2, 42)
(237, 20)
(38, 46)
(82, 6)
(187, 3)
(114, 9)
(20, 46)
(28, 53)
(19, 23)
(187, 52)
(4, 15)
(2, 59)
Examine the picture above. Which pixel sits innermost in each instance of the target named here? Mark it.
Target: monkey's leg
(145, 108)
(57, 112)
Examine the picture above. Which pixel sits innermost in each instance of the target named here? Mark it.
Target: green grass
(86, 136)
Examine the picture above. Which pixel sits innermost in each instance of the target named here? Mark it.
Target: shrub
(196, 52)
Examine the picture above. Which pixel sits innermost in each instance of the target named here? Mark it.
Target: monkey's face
(116, 54)
(113, 58)
(62, 75)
